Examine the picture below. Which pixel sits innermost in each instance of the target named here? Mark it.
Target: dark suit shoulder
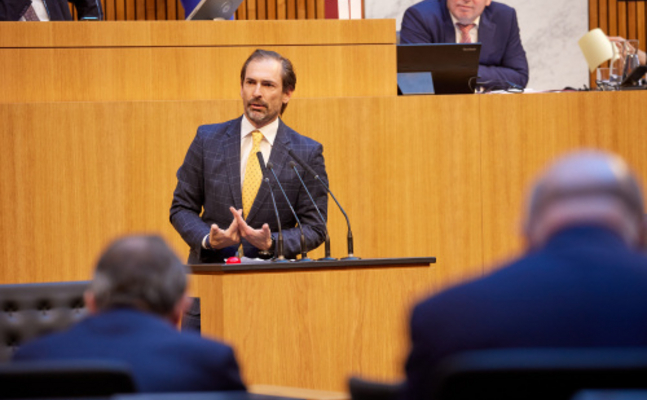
(296, 139)
(215, 130)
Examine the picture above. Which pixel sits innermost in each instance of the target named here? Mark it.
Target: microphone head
(292, 164)
(266, 180)
(270, 165)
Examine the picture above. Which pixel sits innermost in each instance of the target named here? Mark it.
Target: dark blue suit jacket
(585, 288)
(161, 358)
(502, 55)
(209, 180)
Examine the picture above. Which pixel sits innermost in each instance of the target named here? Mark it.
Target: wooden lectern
(312, 324)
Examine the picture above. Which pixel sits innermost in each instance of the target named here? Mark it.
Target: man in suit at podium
(582, 282)
(494, 25)
(221, 207)
(136, 298)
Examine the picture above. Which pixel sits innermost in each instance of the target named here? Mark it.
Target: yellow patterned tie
(253, 174)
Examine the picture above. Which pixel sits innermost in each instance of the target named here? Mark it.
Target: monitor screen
(210, 9)
(453, 66)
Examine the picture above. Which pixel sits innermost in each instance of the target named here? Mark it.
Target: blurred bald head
(586, 187)
(139, 272)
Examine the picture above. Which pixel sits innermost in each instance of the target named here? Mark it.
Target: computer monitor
(210, 9)
(453, 66)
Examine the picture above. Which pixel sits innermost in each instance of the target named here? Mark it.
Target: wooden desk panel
(186, 73)
(521, 134)
(179, 60)
(312, 329)
(197, 33)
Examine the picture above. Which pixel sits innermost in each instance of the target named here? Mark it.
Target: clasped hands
(237, 230)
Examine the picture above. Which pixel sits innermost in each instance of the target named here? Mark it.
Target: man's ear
(287, 96)
(90, 301)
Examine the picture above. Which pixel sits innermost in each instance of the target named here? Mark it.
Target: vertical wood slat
(301, 9)
(271, 9)
(603, 19)
(292, 9)
(613, 18)
(311, 9)
(631, 20)
(251, 9)
(281, 9)
(622, 19)
(261, 9)
(641, 25)
(130, 10)
(241, 13)
(120, 10)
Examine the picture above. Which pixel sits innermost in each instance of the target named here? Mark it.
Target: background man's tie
(30, 14)
(465, 32)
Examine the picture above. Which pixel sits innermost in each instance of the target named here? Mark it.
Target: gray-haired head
(586, 187)
(140, 272)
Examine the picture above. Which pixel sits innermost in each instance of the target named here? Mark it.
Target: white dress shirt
(474, 32)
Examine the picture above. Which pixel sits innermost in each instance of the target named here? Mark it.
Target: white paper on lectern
(597, 48)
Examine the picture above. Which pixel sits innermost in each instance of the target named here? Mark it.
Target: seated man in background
(494, 25)
(49, 10)
(137, 296)
(582, 282)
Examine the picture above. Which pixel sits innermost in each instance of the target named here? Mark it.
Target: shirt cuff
(205, 245)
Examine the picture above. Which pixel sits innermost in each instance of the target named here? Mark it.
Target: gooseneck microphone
(304, 251)
(327, 256)
(279, 241)
(305, 166)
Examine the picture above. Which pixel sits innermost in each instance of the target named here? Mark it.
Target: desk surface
(310, 265)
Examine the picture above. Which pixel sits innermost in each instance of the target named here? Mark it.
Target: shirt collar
(455, 21)
(269, 131)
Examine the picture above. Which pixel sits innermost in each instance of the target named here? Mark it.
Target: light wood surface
(190, 61)
(312, 329)
(299, 393)
(442, 176)
(197, 33)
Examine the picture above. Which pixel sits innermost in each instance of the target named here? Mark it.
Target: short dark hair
(288, 76)
(140, 272)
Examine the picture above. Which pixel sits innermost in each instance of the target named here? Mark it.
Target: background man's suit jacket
(210, 178)
(58, 10)
(161, 358)
(502, 55)
(585, 288)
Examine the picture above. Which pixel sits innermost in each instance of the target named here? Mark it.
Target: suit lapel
(232, 156)
(278, 157)
(487, 30)
(449, 32)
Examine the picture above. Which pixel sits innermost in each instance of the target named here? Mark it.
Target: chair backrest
(22, 380)
(31, 310)
(361, 389)
(533, 374)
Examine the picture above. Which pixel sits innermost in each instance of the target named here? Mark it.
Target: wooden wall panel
(619, 18)
(187, 72)
(168, 10)
(417, 175)
(190, 60)
(516, 149)
(98, 170)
